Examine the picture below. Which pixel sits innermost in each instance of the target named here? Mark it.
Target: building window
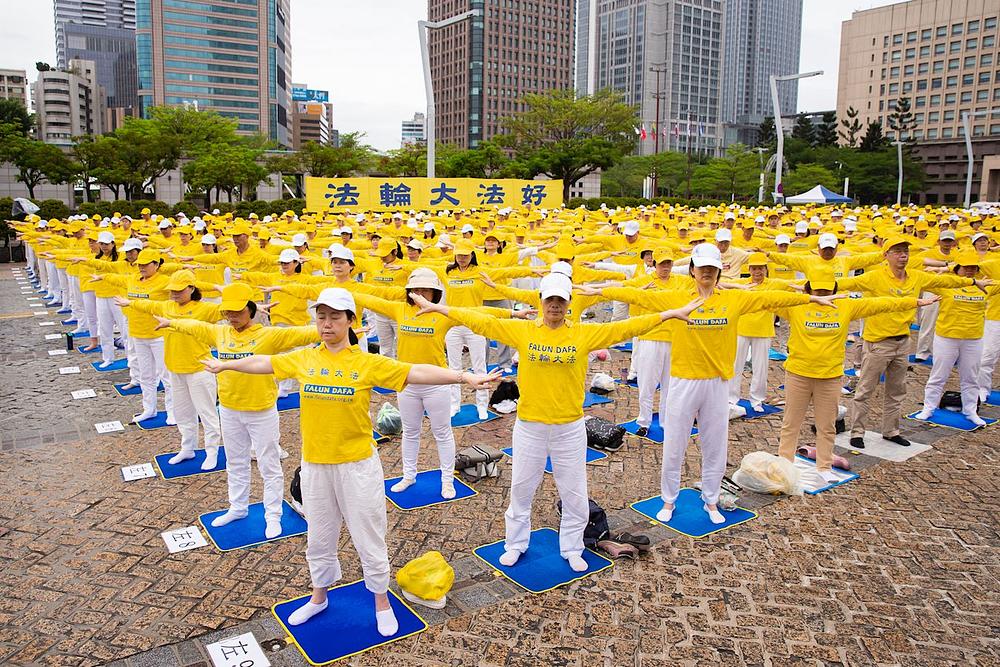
(893, 72)
(939, 49)
(970, 61)
(908, 70)
(896, 56)
(986, 60)
(953, 64)
(932, 133)
(989, 41)
(934, 117)
(952, 82)
(925, 51)
(956, 28)
(947, 132)
(971, 44)
(925, 34)
(955, 47)
(973, 26)
(897, 38)
(935, 100)
(994, 129)
(968, 79)
(911, 36)
(911, 54)
(921, 101)
(907, 86)
(949, 115)
(966, 97)
(949, 99)
(935, 83)
(938, 66)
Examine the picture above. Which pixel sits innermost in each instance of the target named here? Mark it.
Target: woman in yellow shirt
(342, 478)
(389, 273)
(815, 364)
(958, 338)
(110, 316)
(553, 368)
(248, 415)
(194, 390)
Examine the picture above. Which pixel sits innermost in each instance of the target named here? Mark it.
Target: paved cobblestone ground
(899, 567)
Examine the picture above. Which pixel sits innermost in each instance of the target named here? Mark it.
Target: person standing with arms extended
(551, 375)
(342, 478)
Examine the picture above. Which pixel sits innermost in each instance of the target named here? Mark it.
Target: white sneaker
(924, 414)
(386, 622)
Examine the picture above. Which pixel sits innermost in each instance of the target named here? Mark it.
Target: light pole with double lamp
(779, 196)
(424, 27)
(966, 125)
(899, 143)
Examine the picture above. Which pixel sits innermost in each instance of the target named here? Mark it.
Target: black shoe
(641, 431)
(857, 443)
(898, 439)
(920, 359)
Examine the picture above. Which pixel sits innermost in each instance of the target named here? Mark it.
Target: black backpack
(506, 391)
(597, 524)
(295, 488)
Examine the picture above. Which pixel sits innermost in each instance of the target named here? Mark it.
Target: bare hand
(827, 300)
(161, 323)
(587, 290)
(929, 300)
(487, 280)
(685, 310)
(95, 277)
(526, 314)
(477, 381)
(266, 307)
(213, 365)
(122, 302)
(983, 283)
(271, 289)
(423, 305)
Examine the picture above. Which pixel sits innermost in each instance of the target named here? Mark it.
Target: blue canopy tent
(818, 195)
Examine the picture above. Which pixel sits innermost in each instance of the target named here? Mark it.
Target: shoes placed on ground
(857, 443)
(642, 431)
(898, 439)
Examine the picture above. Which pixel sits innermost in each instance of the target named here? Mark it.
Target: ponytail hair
(195, 294)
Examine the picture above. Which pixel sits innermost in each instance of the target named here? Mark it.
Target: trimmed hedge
(594, 203)
(190, 208)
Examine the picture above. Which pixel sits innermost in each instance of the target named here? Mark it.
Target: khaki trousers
(824, 393)
(886, 356)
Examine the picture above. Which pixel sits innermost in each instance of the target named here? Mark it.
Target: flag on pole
(642, 132)
(677, 130)
(663, 131)
(653, 128)
(687, 132)
(701, 129)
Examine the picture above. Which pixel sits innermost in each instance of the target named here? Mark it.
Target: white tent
(818, 195)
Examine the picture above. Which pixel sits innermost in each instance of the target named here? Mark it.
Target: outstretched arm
(255, 365)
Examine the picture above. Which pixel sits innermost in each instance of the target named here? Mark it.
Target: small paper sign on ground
(184, 539)
(242, 651)
(138, 471)
(56, 353)
(109, 427)
(46, 324)
(69, 370)
(53, 336)
(39, 312)
(84, 393)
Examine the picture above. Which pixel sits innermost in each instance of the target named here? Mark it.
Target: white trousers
(566, 446)
(195, 395)
(76, 301)
(53, 287)
(109, 316)
(926, 318)
(968, 352)
(435, 400)
(652, 359)
(758, 348)
(385, 328)
(152, 371)
(351, 493)
(90, 313)
(65, 290)
(454, 340)
(708, 401)
(241, 430)
(991, 352)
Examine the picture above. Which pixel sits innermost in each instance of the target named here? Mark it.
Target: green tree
(142, 154)
(804, 129)
(734, 175)
(851, 126)
(766, 135)
(567, 137)
(625, 178)
(487, 160)
(901, 120)
(37, 161)
(351, 158)
(234, 169)
(873, 140)
(826, 131)
(807, 176)
(14, 114)
(671, 169)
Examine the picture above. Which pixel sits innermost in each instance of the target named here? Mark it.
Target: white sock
(448, 489)
(924, 414)
(577, 564)
(282, 454)
(228, 517)
(105, 364)
(454, 410)
(509, 558)
(976, 419)
(665, 514)
(272, 529)
(143, 416)
(170, 419)
(483, 414)
(715, 516)
(386, 622)
(402, 485)
(305, 612)
(180, 456)
(211, 459)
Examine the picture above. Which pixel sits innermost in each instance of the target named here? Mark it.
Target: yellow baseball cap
(181, 280)
(893, 240)
(235, 296)
(663, 255)
(757, 259)
(464, 247)
(385, 246)
(822, 277)
(148, 256)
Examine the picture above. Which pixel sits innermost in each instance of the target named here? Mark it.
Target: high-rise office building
(760, 38)
(14, 85)
(97, 13)
(482, 66)
(312, 116)
(68, 103)
(943, 58)
(413, 130)
(234, 58)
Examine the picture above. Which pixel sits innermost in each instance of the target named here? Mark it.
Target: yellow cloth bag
(428, 577)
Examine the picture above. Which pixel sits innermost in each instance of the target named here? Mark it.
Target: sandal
(640, 542)
(617, 549)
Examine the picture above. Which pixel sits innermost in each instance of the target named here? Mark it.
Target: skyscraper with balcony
(68, 103)
(118, 14)
(229, 56)
(482, 66)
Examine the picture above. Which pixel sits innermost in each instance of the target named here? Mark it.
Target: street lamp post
(774, 79)
(966, 125)
(899, 160)
(760, 150)
(424, 27)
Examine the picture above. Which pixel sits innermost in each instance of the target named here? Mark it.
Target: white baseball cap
(850, 225)
(723, 235)
(760, 218)
(946, 235)
(782, 239)
(630, 228)
(555, 284)
(105, 237)
(289, 255)
(827, 241)
(415, 244)
(300, 240)
(563, 268)
(338, 251)
(428, 226)
(729, 216)
(468, 228)
(345, 230)
(706, 254)
(199, 224)
(209, 239)
(977, 236)
(164, 224)
(359, 217)
(131, 244)
(336, 298)
(801, 227)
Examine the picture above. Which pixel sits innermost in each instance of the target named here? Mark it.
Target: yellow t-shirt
(181, 352)
(141, 324)
(665, 332)
(241, 391)
(553, 362)
(963, 311)
(761, 323)
(288, 308)
(335, 396)
(578, 303)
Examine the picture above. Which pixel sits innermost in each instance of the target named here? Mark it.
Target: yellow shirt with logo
(963, 311)
(335, 396)
(181, 352)
(761, 323)
(239, 391)
(842, 265)
(288, 308)
(141, 324)
(665, 332)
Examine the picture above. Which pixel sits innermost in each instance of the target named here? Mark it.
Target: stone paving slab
(898, 567)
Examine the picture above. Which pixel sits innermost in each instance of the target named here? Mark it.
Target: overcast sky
(370, 60)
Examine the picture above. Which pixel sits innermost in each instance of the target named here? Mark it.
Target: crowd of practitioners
(288, 303)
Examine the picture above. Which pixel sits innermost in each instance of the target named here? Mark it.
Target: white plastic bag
(388, 421)
(766, 473)
(603, 381)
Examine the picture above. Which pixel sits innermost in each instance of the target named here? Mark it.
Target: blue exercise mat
(468, 415)
(347, 626)
(914, 327)
(590, 399)
(753, 414)
(950, 419)
(853, 373)
(634, 382)
(493, 344)
(592, 455)
(929, 361)
(93, 350)
(805, 464)
(426, 491)
(507, 374)
(623, 347)
(134, 391)
(690, 517)
(541, 568)
(68, 323)
(82, 334)
(116, 365)
(159, 421)
(655, 432)
(249, 531)
(993, 398)
(290, 402)
(188, 467)
(383, 391)
(774, 355)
